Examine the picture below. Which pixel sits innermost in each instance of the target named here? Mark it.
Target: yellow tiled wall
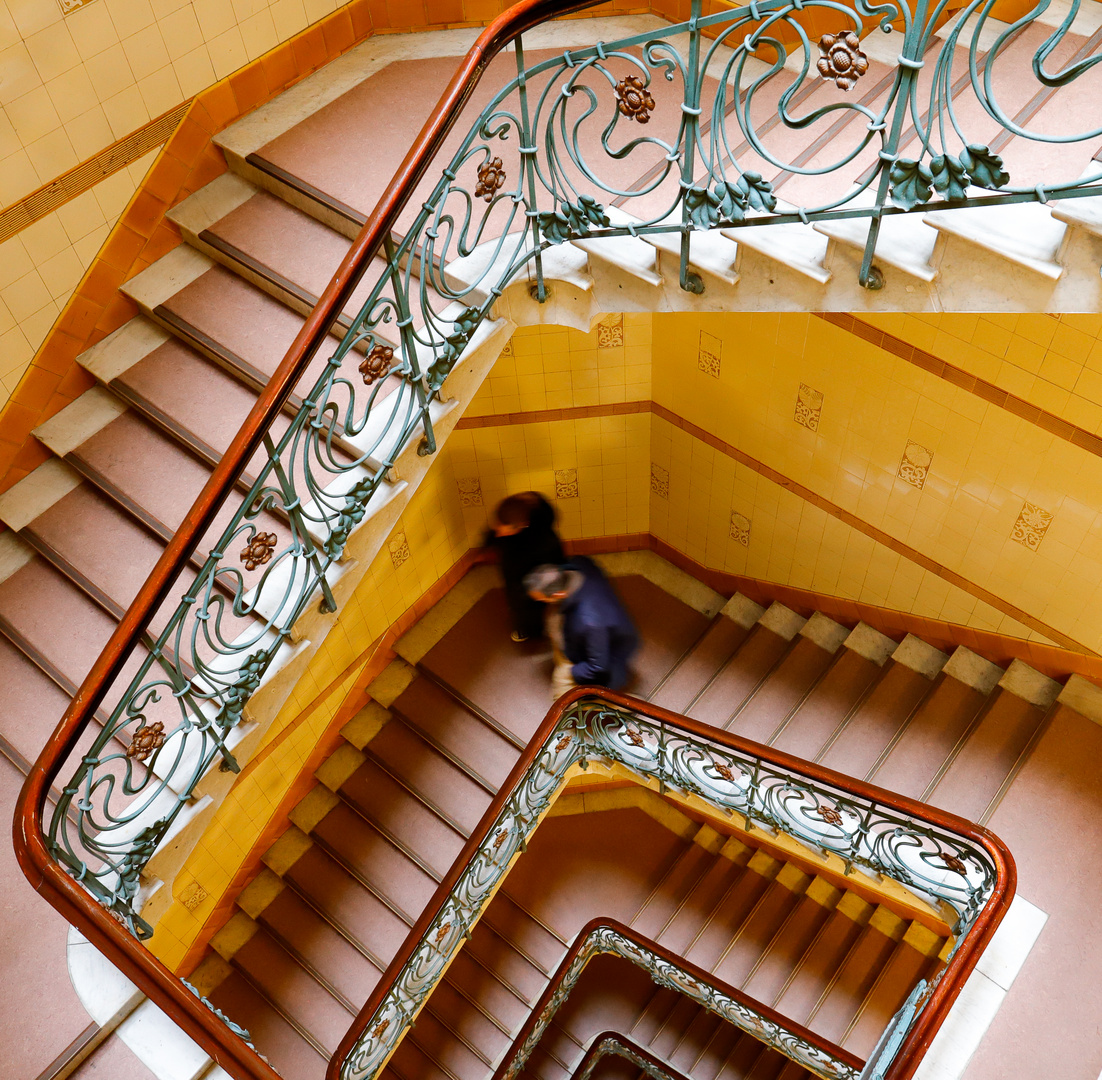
(1054, 362)
(73, 83)
(989, 496)
(429, 538)
(41, 265)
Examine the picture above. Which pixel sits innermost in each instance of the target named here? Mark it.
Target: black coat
(521, 553)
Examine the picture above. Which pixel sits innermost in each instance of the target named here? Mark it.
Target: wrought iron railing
(614, 1043)
(941, 858)
(543, 164)
(611, 938)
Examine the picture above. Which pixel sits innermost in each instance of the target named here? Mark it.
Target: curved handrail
(614, 1042)
(59, 887)
(45, 875)
(934, 1008)
(603, 935)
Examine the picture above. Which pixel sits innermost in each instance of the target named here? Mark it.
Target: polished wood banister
(44, 874)
(929, 1018)
(132, 958)
(694, 970)
(628, 1044)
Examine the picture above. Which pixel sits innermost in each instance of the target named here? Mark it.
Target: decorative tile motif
(915, 465)
(470, 492)
(193, 896)
(710, 354)
(508, 349)
(660, 481)
(740, 528)
(610, 332)
(399, 549)
(566, 483)
(809, 407)
(1030, 528)
(72, 5)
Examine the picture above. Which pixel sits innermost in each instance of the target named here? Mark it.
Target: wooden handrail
(930, 1016)
(694, 970)
(151, 976)
(628, 1044)
(45, 875)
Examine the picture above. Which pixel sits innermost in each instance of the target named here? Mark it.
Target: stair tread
(466, 1021)
(289, 918)
(450, 725)
(804, 986)
(782, 691)
(481, 985)
(852, 981)
(926, 743)
(254, 328)
(400, 815)
(700, 904)
(737, 679)
(512, 967)
(429, 773)
(755, 934)
(897, 980)
(827, 705)
(791, 942)
(292, 989)
(348, 903)
(289, 1052)
(713, 650)
(676, 886)
(988, 756)
(871, 728)
(737, 905)
(375, 859)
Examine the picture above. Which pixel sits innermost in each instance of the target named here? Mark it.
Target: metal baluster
(690, 281)
(528, 151)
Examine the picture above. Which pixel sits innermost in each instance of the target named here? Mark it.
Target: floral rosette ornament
(841, 61)
(491, 178)
(635, 101)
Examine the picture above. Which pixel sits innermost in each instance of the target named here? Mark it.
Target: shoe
(518, 637)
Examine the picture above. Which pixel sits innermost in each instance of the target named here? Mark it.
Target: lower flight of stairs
(420, 764)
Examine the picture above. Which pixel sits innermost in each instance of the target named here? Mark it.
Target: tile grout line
(806, 493)
(973, 384)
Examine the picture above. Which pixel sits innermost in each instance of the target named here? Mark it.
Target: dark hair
(547, 580)
(517, 509)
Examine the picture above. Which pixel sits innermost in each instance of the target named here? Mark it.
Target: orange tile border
(806, 493)
(370, 664)
(982, 388)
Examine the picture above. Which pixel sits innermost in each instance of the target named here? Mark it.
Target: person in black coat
(522, 533)
(593, 635)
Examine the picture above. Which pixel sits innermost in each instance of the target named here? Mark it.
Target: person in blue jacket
(592, 634)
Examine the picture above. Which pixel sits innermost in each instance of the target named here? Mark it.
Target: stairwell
(421, 762)
(344, 885)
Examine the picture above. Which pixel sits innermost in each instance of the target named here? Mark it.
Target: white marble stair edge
(983, 994)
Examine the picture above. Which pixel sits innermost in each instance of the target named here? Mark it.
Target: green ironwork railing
(542, 165)
(939, 857)
(606, 937)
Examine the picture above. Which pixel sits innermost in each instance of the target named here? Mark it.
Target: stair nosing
(356, 874)
(400, 846)
(412, 726)
(905, 724)
(436, 811)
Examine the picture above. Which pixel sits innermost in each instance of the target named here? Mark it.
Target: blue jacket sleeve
(597, 665)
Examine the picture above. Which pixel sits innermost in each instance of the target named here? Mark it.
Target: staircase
(216, 314)
(341, 888)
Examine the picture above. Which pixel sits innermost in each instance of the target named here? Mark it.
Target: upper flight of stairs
(420, 764)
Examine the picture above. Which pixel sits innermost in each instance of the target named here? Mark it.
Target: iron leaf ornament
(912, 182)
